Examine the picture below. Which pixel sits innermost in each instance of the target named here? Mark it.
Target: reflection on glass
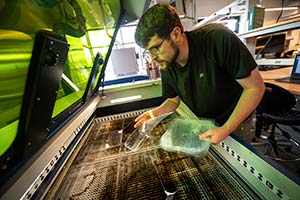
(88, 27)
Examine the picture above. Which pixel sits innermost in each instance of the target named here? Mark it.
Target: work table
(271, 75)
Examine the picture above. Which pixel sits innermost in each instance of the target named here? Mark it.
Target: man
(209, 69)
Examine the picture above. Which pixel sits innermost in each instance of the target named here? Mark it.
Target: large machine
(62, 133)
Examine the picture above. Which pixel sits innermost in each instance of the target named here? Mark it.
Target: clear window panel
(88, 27)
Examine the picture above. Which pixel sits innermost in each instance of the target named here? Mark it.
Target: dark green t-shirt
(207, 82)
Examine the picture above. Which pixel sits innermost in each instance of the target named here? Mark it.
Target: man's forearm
(168, 105)
(247, 103)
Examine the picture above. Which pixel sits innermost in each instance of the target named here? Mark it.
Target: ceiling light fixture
(279, 9)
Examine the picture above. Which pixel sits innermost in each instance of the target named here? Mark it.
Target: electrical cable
(270, 38)
(282, 159)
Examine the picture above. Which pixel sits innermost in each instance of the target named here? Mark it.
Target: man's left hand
(215, 135)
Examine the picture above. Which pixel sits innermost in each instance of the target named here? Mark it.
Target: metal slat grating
(105, 169)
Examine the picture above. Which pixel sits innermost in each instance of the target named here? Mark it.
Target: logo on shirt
(201, 75)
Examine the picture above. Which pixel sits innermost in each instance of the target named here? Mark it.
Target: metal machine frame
(266, 180)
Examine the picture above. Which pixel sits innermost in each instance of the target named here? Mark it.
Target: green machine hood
(88, 26)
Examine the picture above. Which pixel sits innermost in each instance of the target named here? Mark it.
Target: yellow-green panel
(88, 27)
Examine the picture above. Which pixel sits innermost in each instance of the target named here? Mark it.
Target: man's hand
(215, 135)
(169, 105)
(143, 117)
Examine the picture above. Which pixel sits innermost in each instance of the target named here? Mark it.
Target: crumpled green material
(183, 136)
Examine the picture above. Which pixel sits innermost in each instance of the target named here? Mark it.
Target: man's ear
(176, 32)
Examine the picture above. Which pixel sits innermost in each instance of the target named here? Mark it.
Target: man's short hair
(160, 19)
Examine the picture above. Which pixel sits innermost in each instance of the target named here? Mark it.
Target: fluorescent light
(124, 99)
(279, 9)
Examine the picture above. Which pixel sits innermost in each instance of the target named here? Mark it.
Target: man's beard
(165, 64)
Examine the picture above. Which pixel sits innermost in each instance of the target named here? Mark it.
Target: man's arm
(253, 90)
(168, 105)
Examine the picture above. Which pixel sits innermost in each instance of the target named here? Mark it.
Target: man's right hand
(169, 105)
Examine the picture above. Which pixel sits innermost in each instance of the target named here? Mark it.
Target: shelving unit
(250, 37)
(277, 61)
(274, 28)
